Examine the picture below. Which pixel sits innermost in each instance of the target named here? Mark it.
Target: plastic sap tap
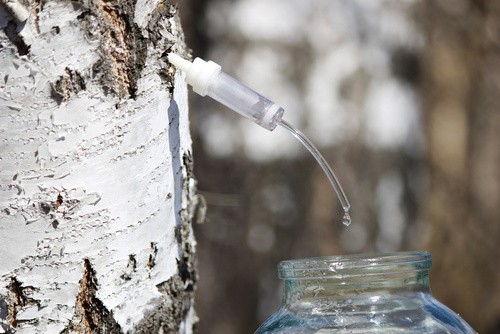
(207, 78)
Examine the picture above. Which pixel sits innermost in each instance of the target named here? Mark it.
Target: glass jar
(370, 293)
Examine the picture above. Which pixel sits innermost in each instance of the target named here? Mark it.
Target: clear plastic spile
(207, 78)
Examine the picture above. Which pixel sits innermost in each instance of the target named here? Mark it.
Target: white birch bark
(96, 190)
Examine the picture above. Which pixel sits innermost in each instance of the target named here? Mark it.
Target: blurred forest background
(402, 99)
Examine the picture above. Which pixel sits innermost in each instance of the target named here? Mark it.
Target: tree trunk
(461, 88)
(96, 190)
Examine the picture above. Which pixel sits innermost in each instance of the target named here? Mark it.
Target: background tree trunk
(96, 189)
(461, 85)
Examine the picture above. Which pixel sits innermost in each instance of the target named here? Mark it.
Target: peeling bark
(96, 184)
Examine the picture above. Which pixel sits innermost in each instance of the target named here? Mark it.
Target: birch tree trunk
(96, 189)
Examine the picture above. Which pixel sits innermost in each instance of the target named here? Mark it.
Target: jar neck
(347, 276)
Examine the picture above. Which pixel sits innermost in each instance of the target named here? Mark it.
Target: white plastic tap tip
(200, 74)
(179, 62)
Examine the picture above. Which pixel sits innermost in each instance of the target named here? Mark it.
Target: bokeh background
(401, 97)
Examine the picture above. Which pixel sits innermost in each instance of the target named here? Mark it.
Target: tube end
(179, 62)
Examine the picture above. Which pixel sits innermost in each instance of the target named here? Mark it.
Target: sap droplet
(346, 220)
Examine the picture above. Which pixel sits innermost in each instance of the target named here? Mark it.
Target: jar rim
(355, 265)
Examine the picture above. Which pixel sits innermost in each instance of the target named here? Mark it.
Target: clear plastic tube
(207, 78)
(324, 165)
(245, 101)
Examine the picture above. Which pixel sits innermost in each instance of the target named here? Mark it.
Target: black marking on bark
(69, 83)
(131, 268)
(56, 96)
(178, 234)
(37, 8)
(122, 45)
(55, 30)
(45, 207)
(59, 201)
(187, 160)
(83, 17)
(91, 316)
(183, 267)
(11, 31)
(18, 296)
(152, 258)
